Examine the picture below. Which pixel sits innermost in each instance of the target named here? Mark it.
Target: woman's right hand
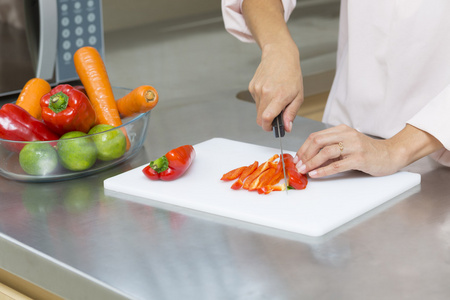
(277, 85)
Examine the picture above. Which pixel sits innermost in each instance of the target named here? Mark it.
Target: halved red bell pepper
(172, 165)
(16, 124)
(297, 180)
(66, 109)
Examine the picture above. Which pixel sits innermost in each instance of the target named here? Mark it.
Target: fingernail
(312, 173)
(295, 159)
(302, 168)
(290, 125)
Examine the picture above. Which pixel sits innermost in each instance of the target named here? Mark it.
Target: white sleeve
(434, 118)
(234, 20)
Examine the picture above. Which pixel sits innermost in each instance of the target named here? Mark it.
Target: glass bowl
(57, 169)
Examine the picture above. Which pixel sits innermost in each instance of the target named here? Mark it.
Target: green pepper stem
(58, 102)
(160, 165)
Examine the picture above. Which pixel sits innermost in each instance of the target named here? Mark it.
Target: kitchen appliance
(39, 37)
(324, 205)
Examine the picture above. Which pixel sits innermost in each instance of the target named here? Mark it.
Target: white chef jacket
(393, 66)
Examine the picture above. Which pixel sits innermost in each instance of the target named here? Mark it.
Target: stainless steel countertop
(79, 242)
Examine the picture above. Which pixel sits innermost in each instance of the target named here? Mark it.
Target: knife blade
(278, 129)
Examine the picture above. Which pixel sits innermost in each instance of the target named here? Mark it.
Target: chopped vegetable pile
(265, 178)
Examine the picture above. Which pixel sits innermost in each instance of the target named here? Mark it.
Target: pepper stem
(58, 102)
(160, 165)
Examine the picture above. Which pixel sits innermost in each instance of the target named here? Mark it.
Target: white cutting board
(324, 205)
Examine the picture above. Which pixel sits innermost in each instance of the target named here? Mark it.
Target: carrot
(30, 96)
(140, 100)
(92, 72)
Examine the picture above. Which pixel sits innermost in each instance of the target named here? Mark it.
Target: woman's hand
(277, 85)
(342, 148)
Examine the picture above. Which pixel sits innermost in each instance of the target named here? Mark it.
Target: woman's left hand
(343, 148)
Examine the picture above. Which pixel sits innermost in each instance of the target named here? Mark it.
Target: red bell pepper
(297, 180)
(66, 108)
(172, 165)
(16, 124)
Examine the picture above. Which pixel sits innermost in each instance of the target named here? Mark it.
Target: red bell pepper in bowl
(16, 124)
(66, 108)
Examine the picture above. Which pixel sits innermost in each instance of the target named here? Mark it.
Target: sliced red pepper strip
(247, 172)
(263, 179)
(258, 171)
(272, 185)
(296, 180)
(279, 174)
(233, 174)
(271, 188)
(276, 178)
(270, 177)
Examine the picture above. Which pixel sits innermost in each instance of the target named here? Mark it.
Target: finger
(316, 141)
(270, 113)
(326, 154)
(278, 104)
(256, 97)
(262, 96)
(335, 167)
(320, 139)
(291, 111)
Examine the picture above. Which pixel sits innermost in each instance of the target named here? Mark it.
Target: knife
(278, 129)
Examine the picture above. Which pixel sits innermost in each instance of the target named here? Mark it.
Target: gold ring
(341, 146)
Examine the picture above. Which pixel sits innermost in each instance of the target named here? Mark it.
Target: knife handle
(278, 123)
